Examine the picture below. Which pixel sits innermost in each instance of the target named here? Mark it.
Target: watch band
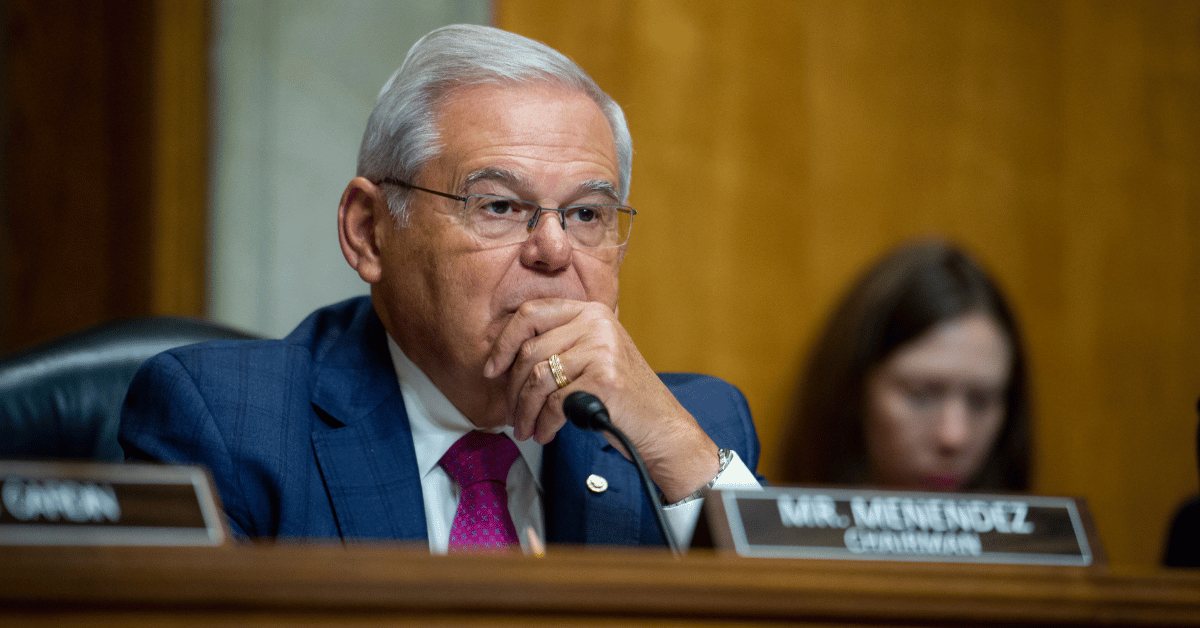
(724, 457)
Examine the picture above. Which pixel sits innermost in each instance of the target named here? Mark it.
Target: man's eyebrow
(518, 183)
(598, 186)
(509, 178)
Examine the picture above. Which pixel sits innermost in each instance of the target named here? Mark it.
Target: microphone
(587, 412)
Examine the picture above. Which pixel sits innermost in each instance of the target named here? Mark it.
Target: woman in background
(918, 382)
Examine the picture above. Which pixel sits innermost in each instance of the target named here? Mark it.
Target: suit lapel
(574, 512)
(364, 447)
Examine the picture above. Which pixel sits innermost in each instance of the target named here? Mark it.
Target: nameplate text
(78, 503)
(790, 522)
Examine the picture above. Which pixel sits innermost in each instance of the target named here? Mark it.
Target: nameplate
(78, 503)
(790, 522)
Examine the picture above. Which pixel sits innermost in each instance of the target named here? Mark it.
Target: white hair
(402, 134)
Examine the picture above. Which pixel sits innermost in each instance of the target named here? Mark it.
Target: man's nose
(548, 247)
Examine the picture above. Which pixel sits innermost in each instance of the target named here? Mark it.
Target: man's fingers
(530, 320)
(537, 403)
(548, 425)
(529, 400)
(579, 336)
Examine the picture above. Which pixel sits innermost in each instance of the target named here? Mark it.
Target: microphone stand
(587, 412)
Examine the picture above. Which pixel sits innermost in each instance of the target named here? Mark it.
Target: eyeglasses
(511, 220)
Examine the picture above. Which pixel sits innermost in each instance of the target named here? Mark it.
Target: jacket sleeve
(165, 418)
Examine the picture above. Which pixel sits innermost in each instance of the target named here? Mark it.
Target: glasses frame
(537, 215)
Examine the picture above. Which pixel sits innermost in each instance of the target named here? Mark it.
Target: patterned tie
(479, 463)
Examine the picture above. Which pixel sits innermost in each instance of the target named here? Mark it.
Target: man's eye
(587, 214)
(498, 207)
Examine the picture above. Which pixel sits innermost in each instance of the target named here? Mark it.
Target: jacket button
(597, 484)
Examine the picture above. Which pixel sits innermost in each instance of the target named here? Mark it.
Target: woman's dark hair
(910, 290)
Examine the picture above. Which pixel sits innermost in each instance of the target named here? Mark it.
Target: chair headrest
(62, 398)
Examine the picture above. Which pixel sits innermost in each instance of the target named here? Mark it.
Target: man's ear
(362, 209)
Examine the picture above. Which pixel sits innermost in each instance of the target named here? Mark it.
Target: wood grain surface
(782, 145)
(388, 584)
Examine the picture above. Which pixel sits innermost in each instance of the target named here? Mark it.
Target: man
(487, 217)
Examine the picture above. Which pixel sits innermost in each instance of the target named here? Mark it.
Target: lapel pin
(597, 484)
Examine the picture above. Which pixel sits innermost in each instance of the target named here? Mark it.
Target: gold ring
(557, 372)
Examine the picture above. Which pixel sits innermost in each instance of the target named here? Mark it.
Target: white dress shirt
(436, 425)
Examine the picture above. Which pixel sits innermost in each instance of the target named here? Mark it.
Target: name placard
(78, 503)
(791, 522)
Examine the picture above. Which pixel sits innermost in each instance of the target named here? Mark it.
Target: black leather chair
(1183, 540)
(62, 399)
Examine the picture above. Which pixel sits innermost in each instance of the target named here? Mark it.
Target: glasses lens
(507, 220)
(498, 217)
(598, 225)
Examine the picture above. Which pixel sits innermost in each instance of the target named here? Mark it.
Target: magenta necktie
(479, 463)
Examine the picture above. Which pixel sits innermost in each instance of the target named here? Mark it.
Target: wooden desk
(322, 585)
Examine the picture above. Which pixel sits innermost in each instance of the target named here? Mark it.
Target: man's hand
(598, 356)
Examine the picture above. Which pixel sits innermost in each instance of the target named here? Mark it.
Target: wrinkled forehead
(518, 134)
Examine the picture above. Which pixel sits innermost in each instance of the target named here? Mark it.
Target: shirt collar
(436, 424)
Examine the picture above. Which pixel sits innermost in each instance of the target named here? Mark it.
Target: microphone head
(586, 411)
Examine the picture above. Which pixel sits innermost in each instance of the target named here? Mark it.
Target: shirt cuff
(682, 517)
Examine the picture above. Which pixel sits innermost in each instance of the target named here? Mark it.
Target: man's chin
(495, 416)
(495, 411)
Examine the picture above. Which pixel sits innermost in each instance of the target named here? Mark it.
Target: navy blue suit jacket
(307, 437)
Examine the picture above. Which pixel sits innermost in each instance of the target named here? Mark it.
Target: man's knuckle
(540, 373)
(607, 375)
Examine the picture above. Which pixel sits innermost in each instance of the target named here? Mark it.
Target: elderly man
(488, 218)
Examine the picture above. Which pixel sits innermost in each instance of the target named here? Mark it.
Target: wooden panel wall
(105, 169)
(781, 145)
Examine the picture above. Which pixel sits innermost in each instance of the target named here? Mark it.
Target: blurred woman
(918, 382)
